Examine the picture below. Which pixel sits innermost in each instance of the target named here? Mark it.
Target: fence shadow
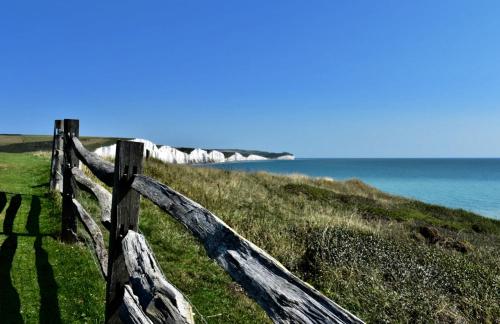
(9, 298)
(49, 304)
(10, 214)
(3, 201)
(10, 304)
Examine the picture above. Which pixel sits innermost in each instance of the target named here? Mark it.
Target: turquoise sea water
(470, 184)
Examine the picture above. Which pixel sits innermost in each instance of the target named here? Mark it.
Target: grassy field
(385, 258)
(14, 143)
(41, 279)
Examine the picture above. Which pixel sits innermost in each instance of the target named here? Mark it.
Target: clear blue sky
(317, 78)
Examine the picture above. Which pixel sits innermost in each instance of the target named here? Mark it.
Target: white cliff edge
(168, 154)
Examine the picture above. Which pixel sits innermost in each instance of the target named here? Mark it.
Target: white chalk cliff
(170, 154)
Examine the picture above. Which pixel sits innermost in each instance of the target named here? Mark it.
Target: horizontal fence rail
(137, 291)
(102, 169)
(102, 195)
(96, 235)
(285, 298)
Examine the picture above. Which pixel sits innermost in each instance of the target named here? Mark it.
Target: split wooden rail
(137, 291)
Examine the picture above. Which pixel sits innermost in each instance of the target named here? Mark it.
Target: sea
(469, 183)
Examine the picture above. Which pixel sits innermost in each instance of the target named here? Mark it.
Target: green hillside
(384, 258)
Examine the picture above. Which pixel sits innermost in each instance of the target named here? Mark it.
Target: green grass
(210, 290)
(41, 279)
(368, 251)
(385, 258)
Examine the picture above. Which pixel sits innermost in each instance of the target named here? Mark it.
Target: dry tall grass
(385, 258)
(369, 251)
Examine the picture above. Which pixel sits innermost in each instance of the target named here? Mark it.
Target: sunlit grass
(359, 246)
(42, 279)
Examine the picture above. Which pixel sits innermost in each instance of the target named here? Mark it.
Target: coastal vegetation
(384, 258)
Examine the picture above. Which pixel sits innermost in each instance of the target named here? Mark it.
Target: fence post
(124, 216)
(68, 230)
(56, 165)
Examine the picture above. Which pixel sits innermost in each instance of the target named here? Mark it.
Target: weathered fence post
(68, 231)
(124, 216)
(56, 166)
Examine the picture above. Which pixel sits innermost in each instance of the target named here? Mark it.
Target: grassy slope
(41, 279)
(384, 258)
(184, 262)
(369, 251)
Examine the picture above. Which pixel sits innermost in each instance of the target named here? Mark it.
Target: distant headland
(184, 155)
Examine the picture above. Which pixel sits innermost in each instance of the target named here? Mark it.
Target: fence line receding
(136, 289)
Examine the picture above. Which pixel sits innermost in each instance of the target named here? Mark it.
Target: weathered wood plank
(56, 177)
(68, 222)
(284, 297)
(96, 235)
(102, 169)
(124, 217)
(101, 194)
(130, 311)
(162, 302)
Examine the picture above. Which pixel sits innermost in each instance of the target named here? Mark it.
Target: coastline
(363, 240)
(469, 184)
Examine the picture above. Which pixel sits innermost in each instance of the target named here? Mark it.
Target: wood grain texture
(68, 221)
(160, 300)
(130, 311)
(96, 235)
(100, 193)
(56, 166)
(124, 217)
(102, 169)
(284, 297)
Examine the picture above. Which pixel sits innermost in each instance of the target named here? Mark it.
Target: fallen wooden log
(130, 311)
(102, 195)
(284, 297)
(159, 299)
(102, 169)
(96, 235)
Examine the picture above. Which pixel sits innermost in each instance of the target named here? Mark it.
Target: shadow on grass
(10, 214)
(9, 298)
(49, 305)
(3, 201)
(10, 305)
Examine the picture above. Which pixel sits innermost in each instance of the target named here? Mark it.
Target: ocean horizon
(471, 184)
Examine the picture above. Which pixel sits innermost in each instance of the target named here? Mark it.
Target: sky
(316, 78)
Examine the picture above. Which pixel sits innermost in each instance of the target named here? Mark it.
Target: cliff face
(170, 154)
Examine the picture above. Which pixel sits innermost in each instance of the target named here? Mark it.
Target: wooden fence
(136, 290)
